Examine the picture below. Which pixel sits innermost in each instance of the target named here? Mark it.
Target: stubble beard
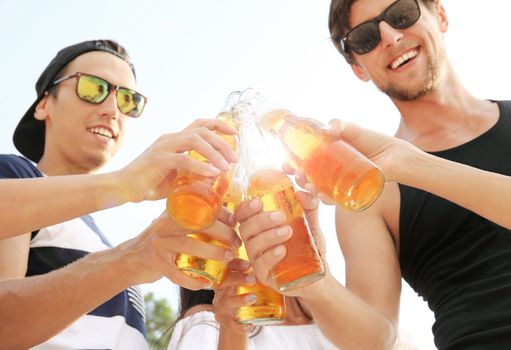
(430, 82)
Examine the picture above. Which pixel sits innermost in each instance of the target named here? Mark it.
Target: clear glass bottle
(269, 307)
(302, 264)
(209, 270)
(194, 201)
(332, 165)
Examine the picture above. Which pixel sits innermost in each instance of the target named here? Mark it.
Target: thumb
(340, 129)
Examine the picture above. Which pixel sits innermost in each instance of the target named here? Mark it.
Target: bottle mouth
(364, 192)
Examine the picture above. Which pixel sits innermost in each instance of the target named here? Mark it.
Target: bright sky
(190, 54)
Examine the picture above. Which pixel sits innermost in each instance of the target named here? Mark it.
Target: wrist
(413, 165)
(123, 190)
(236, 331)
(317, 292)
(232, 339)
(126, 260)
(102, 268)
(406, 161)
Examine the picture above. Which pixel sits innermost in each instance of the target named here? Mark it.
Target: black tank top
(458, 261)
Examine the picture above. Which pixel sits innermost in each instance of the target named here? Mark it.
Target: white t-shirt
(200, 332)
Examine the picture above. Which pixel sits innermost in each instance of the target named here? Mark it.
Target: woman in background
(207, 322)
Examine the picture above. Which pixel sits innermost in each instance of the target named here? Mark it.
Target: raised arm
(52, 301)
(485, 193)
(64, 295)
(233, 335)
(369, 303)
(362, 315)
(29, 204)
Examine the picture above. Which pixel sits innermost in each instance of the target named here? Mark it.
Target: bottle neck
(257, 150)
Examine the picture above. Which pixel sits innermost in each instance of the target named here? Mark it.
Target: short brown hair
(338, 23)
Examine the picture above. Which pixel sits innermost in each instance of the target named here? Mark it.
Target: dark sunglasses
(92, 89)
(401, 14)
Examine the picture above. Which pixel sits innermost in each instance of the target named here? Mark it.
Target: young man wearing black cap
(85, 97)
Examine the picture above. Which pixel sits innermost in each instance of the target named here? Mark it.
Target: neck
(55, 165)
(53, 168)
(448, 108)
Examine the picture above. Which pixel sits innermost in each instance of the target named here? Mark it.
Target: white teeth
(403, 58)
(102, 131)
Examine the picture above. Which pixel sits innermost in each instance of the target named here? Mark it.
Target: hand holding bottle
(226, 302)
(386, 151)
(335, 167)
(194, 200)
(265, 234)
(151, 255)
(149, 176)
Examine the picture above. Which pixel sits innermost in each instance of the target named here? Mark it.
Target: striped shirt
(116, 324)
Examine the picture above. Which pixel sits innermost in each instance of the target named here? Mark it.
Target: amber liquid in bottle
(194, 201)
(333, 166)
(208, 270)
(269, 307)
(302, 264)
(205, 270)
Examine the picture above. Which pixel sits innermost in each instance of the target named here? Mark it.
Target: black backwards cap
(29, 134)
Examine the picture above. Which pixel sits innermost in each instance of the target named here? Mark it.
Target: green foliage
(159, 317)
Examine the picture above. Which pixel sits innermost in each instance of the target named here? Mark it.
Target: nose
(389, 35)
(109, 106)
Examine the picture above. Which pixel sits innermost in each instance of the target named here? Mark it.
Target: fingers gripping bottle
(208, 270)
(269, 307)
(333, 166)
(194, 201)
(302, 264)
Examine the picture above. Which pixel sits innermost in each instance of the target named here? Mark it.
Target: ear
(41, 110)
(359, 72)
(443, 21)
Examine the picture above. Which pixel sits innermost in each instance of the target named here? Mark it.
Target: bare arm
(485, 193)
(14, 256)
(67, 293)
(29, 204)
(366, 309)
(229, 340)
(62, 295)
(233, 335)
(347, 320)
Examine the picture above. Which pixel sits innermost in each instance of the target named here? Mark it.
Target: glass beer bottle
(269, 307)
(333, 166)
(208, 270)
(302, 264)
(194, 201)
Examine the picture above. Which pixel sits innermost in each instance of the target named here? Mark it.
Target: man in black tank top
(443, 221)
